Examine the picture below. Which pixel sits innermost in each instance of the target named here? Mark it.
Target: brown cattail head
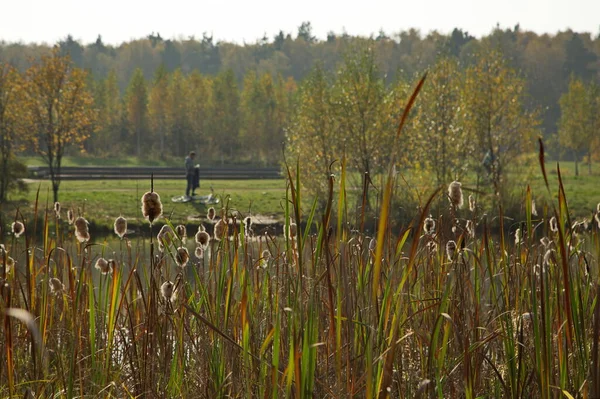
(181, 232)
(56, 286)
(265, 257)
(455, 194)
(373, 244)
(103, 266)
(81, 229)
(199, 252)
(553, 224)
(202, 238)
(113, 264)
(151, 206)
(17, 228)
(534, 211)
(70, 216)
(472, 204)
(165, 237)
(8, 265)
(429, 226)
(120, 226)
(470, 226)
(450, 249)
(57, 209)
(211, 213)
(166, 290)
(220, 230)
(248, 225)
(182, 257)
(292, 230)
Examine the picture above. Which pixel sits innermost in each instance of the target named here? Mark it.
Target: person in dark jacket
(189, 174)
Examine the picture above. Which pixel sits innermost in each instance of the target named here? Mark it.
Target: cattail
(211, 213)
(70, 216)
(220, 230)
(248, 225)
(518, 236)
(201, 227)
(533, 208)
(17, 228)
(165, 237)
(472, 205)
(56, 286)
(202, 238)
(597, 217)
(372, 244)
(57, 209)
(182, 257)
(450, 249)
(553, 224)
(292, 230)
(548, 256)
(112, 264)
(470, 226)
(9, 264)
(151, 206)
(429, 226)
(120, 226)
(81, 229)
(265, 257)
(455, 194)
(181, 232)
(103, 266)
(598, 208)
(199, 252)
(432, 246)
(166, 290)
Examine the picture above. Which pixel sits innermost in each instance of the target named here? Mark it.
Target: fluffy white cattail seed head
(455, 194)
(120, 226)
(151, 206)
(82, 232)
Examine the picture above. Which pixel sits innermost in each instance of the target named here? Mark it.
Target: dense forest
(330, 99)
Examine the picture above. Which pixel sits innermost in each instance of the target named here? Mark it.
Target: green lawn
(102, 201)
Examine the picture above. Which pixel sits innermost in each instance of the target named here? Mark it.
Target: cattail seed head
(265, 257)
(455, 194)
(56, 286)
(120, 226)
(220, 230)
(103, 266)
(57, 209)
(181, 232)
(199, 252)
(151, 206)
(472, 204)
(182, 257)
(113, 264)
(470, 227)
(211, 213)
(9, 264)
(597, 217)
(248, 225)
(201, 227)
(17, 228)
(533, 208)
(202, 238)
(165, 237)
(429, 226)
(70, 216)
(82, 232)
(166, 290)
(292, 230)
(553, 224)
(450, 249)
(372, 244)
(518, 237)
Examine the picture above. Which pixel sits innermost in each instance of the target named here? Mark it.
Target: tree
(178, 115)
(312, 135)
(158, 108)
(498, 127)
(137, 109)
(11, 128)
(579, 124)
(59, 109)
(438, 131)
(225, 120)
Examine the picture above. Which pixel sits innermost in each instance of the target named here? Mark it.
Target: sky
(246, 21)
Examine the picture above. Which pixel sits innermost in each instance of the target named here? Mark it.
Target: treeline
(546, 61)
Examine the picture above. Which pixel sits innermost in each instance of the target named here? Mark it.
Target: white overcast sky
(247, 20)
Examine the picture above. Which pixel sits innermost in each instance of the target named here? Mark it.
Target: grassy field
(102, 201)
